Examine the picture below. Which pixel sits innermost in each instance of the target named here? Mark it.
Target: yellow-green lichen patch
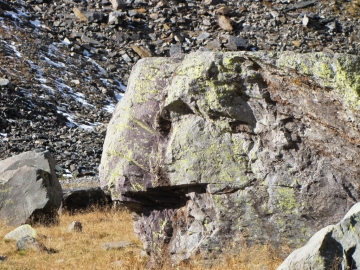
(200, 153)
(340, 72)
(286, 201)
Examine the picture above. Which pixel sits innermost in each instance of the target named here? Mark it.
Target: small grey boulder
(29, 189)
(333, 247)
(30, 243)
(20, 232)
(75, 226)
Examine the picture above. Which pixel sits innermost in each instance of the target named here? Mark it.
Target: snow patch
(52, 63)
(118, 95)
(100, 68)
(36, 23)
(109, 108)
(122, 87)
(79, 97)
(48, 88)
(67, 174)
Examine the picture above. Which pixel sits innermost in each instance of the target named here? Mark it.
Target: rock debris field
(65, 64)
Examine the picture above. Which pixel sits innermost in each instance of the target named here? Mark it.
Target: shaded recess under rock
(214, 150)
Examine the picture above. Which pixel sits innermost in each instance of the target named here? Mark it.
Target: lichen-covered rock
(218, 149)
(29, 189)
(20, 232)
(333, 247)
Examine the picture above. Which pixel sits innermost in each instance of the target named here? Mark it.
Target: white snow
(36, 23)
(122, 87)
(86, 53)
(50, 62)
(109, 108)
(118, 95)
(79, 97)
(62, 87)
(67, 174)
(12, 46)
(102, 71)
(50, 89)
(104, 81)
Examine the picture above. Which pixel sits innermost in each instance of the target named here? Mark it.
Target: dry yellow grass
(83, 250)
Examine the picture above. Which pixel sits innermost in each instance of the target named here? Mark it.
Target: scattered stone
(305, 20)
(305, 3)
(126, 57)
(214, 44)
(133, 12)
(30, 243)
(4, 82)
(141, 51)
(333, 247)
(234, 43)
(225, 23)
(175, 49)
(3, 258)
(116, 17)
(223, 10)
(116, 245)
(117, 4)
(80, 14)
(30, 190)
(75, 226)
(203, 36)
(296, 43)
(86, 39)
(20, 232)
(212, 2)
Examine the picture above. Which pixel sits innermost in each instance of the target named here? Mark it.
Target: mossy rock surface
(239, 147)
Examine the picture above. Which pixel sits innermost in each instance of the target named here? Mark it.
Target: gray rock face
(30, 190)
(333, 247)
(216, 149)
(29, 243)
(20, 232)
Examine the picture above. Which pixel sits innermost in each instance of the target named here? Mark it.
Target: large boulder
(29, 189)
(219, 149)
(333, 247)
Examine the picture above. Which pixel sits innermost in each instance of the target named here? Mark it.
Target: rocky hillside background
(65, 64)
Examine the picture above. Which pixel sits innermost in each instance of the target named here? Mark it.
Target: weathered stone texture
(213, 149)
(29, 189)
(333, 247)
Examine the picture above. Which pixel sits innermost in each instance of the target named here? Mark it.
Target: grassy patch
(83, 250)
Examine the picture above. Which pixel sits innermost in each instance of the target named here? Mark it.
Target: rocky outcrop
(29, 189)
(333, 247)
(218, 149)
